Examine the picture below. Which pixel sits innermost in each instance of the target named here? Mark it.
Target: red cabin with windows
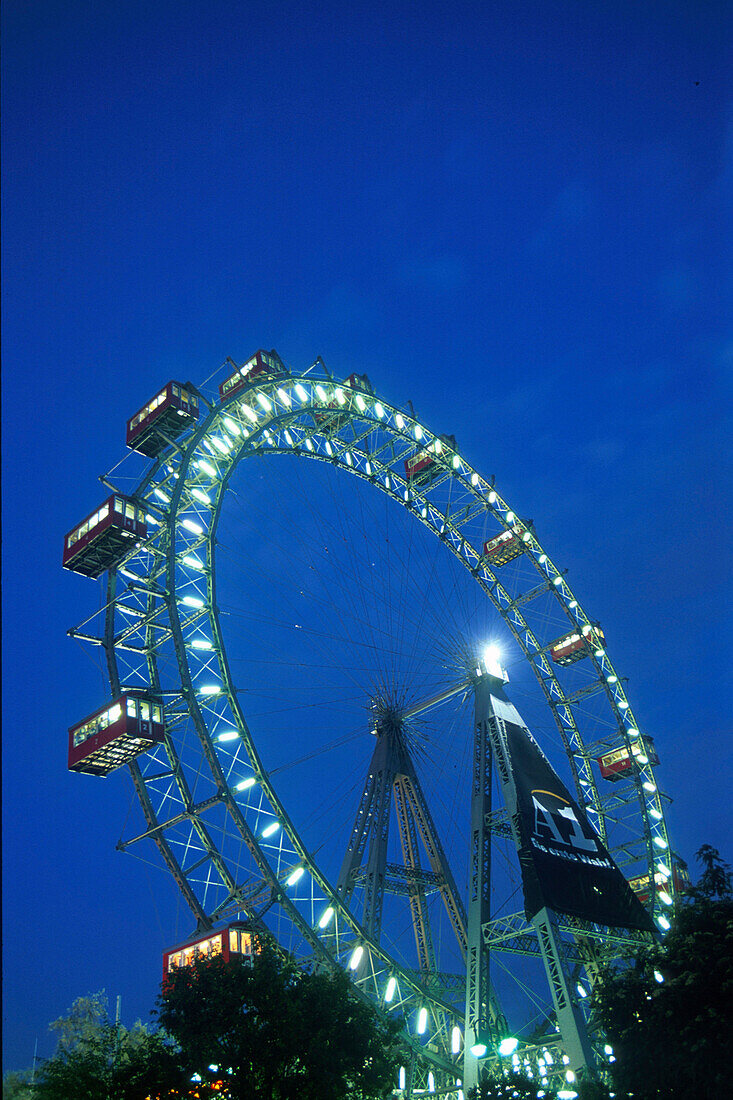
(105, 537)
(235, 940)
(115, 734)
(680, 880)
(507, 545)
(423, 467)
(163, 418)
(262, 362)
(577, 644)
(332, 421)
(359, 382)
(618, 763)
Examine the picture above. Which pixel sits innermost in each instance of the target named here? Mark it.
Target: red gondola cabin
(105, 537)
(577, 644)
(266, 363)
(359, 382)
(163, 418)
(115, 734)
(618, 763)
(423, 467)
(234, 941)
(680, 879)
(506, 546)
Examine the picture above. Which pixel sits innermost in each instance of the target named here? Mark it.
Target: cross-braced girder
(392, 774)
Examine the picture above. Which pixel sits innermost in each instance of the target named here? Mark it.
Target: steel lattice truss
(232, 846)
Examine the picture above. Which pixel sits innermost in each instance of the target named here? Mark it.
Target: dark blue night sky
(515, 215)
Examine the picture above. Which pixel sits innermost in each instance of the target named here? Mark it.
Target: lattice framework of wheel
(209, 803)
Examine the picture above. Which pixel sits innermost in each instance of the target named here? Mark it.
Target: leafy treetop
(670, 1016)
(281, 1032)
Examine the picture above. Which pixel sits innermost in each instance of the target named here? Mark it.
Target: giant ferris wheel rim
(278, 423)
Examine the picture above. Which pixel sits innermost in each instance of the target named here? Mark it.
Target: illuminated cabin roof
(105, 536)
(162, 419)
(115, 734)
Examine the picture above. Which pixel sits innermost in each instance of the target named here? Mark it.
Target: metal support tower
(570, 1019)
(481, 1012)
(392, 773)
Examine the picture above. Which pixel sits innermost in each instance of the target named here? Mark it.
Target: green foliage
(17, 1086)
(96, 1060)
(675, 1038)
(85, 1017)
(282, 1032)
(715, 880)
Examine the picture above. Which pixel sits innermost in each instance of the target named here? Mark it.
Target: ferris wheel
(300, 591)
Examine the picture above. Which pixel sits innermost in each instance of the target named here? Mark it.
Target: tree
(280, 1032)
(96, 1060)
(715, 881)
(17, 1086)
(670, 1017)
(85, 1017)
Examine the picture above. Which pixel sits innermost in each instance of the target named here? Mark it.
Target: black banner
(564, 864)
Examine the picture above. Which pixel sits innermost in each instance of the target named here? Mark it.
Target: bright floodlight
(479, 1050)
(508, 1045)
(492, 660)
